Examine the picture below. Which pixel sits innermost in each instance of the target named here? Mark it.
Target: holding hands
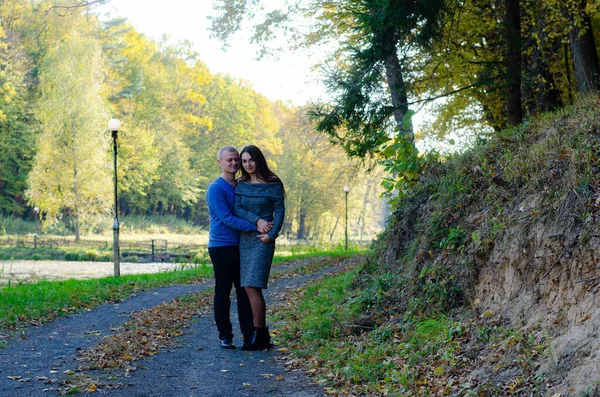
(263, 226)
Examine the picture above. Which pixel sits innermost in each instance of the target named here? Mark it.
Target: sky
(288, 78)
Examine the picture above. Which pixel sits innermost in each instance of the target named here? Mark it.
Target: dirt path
(195, 366)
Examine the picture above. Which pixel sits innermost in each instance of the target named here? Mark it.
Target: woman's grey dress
(254, 201)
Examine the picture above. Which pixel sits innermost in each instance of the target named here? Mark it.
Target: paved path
(196, 367)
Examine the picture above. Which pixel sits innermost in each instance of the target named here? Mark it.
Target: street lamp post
(36, 210)
(346, 189)
(114, 125)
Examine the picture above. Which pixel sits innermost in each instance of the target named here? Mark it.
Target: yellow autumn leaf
(279, 377)
(92, 388)
(69, 372)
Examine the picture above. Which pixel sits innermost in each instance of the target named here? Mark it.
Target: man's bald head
(224, 150)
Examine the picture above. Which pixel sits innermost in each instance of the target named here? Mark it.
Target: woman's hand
(265, 238)
(263, 226)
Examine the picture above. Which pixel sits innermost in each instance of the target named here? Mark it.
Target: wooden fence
(147, 247)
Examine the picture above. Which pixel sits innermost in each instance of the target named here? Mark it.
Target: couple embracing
(246, 215)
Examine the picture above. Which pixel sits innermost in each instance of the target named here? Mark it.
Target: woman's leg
(259, 310)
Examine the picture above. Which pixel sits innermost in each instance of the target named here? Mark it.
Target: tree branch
(429, 99)
(63, 11)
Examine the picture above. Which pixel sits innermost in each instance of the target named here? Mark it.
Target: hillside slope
(511, 231)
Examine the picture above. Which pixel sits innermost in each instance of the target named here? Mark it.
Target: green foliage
(17, 137)
(403, 163)
(70, 173)
(10, 225)
(175, 115)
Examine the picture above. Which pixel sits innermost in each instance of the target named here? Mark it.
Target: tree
(71, 174)
(512, 21)
(583, 47)
(367, 78)
(17, 139)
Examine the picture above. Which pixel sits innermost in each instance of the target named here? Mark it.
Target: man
(223, 248)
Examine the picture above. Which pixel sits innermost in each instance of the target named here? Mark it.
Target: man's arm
(215, 198)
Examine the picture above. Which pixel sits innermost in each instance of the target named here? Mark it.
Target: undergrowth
(405, 355)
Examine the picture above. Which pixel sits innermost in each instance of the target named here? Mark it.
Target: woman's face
(248, 164)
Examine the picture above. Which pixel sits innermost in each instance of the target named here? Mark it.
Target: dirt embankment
(518, 233)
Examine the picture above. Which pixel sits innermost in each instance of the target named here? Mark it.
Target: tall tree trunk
(583, 51)
(337, 220)
(513, 62)
(77, 204)
(397, 87)
(301, 225)
(568, 71)
(539, 89)
(364, 209)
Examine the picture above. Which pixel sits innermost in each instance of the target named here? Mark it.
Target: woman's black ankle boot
(261, 340)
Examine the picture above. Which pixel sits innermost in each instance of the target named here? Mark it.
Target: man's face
(229, 162)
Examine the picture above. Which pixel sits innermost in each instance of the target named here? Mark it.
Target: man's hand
(264, 238)
(263, 226)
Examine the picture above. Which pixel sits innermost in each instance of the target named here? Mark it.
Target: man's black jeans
(226, 266)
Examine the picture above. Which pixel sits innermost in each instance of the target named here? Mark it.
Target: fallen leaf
(585, 318)
(69, 372)
(279, 377)
(246, 384)
(92, 388)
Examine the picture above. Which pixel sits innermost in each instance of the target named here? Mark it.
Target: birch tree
(71, 172)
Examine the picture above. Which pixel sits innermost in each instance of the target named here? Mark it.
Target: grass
(408, 354)
(46, 300)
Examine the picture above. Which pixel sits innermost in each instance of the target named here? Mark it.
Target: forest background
(64, 73)
(63, 76)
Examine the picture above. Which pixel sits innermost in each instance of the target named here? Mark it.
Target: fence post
(35, 241)
(153, 250)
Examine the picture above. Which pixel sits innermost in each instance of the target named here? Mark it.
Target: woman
(259, 194)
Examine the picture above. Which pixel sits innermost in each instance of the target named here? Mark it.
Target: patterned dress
(252, 202)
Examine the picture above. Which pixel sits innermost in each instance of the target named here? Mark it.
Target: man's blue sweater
(224, 226)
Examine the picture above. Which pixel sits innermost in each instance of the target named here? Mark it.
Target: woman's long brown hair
(262, 168)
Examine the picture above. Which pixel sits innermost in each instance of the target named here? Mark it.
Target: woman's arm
(278, 216)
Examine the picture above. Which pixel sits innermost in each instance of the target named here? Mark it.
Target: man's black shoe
(226, 343)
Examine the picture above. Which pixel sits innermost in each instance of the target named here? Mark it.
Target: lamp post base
(116, 253)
